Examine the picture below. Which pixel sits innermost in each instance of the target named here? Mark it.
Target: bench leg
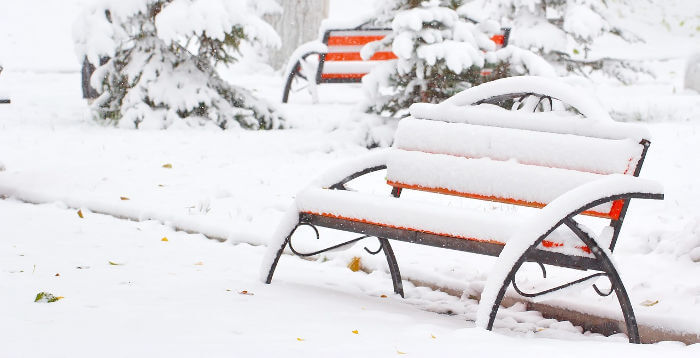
(606, 266)
(276, 259)
(614, 277)
(393, 266)
(288, 84)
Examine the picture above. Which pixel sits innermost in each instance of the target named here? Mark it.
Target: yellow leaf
(356, 332)
(59, 298)
(164, 239)
(123, 198)
(354, 265)
(300, 339)
(432, 336)
(80, 213)
(649, 303)
(167, 165)
(113, 263)
(399, 352)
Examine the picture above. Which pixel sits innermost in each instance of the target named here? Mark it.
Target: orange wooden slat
(342, 75)
(613, 214)
(352, 40)
(355, 56)
(498, 39)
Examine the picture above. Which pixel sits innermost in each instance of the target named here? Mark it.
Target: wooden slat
(613, 214)
(355, 56)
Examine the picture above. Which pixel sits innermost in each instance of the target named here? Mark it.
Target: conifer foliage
(563, 32)
(441, 51)
(162, 57)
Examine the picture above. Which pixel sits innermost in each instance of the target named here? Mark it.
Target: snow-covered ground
(183, 296)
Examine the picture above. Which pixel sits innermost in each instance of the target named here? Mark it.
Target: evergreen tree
(440, 52)
(162, 57)
(563, 32)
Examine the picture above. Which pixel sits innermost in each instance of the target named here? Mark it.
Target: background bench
(3, 98)
(567, 165)
(336, 59)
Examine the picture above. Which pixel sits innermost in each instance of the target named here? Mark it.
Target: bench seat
(448, 221)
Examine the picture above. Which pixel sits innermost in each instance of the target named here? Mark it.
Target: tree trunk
(298, 23)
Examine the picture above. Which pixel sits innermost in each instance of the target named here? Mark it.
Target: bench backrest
(509, 165)
(343, 63)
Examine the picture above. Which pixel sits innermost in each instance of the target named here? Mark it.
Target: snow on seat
(428, 218)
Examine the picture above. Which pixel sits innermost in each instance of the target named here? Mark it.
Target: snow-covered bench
(336, 58)
(570, 165)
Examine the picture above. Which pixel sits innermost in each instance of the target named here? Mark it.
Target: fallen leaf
(354, 265)
(57, 274)
(383, 296)
(167, 165)
(199, 263)
(649, 303)
(300, 339)
(124, 198)
(46, 297)
(80, 213)
(164, 239)
(82, 267)
(161, 185)
(113, 263)
(244, 292)
(399, 352)
(432, 336)
(356, 332)
(228, 289)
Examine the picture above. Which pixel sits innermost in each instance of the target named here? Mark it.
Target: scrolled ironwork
(557, 288)
(307, 254)
(381, 247)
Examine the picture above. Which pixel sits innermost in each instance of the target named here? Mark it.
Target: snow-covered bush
(440, 53)
(162, 62)
(563, 32)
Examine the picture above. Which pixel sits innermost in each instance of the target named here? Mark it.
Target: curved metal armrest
(337, 177)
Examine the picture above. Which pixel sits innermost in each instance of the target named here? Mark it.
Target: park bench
(569, 163)
(335, 58)
(3, 98)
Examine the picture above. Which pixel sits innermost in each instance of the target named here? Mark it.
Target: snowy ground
(182, 296)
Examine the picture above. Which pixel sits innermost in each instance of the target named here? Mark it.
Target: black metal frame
(600, 261)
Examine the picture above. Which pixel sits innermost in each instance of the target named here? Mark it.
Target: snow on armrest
(309, 47)
(349, 167)
(550, 217)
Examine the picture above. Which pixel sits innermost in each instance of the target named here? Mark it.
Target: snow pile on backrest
(552, 122)
(565, 151)
(344, 23)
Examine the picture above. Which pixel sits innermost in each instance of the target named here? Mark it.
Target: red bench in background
(341, 61)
